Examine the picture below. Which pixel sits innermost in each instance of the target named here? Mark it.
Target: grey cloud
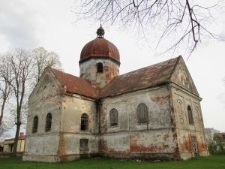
(221, 98)
(17, 23)
(222, 36)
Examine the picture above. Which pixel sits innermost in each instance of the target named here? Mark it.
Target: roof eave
(135, 90)
(99, 57)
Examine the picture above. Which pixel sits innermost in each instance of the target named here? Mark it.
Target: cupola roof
(100, 48)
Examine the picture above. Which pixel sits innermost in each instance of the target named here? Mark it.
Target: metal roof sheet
(98, 48)
(146, 77)
(75, 85)
(140, 79)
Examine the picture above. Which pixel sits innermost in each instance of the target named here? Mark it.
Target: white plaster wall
(181, 100)
(72, 143)
(72, 109)
(46, 98)
(44, 145)
(130, 136)
(157, 101)
(88, 71)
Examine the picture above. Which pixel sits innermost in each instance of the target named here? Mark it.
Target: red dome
(100, 48)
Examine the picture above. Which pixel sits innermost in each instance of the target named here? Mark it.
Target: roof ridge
(149, 76)
(165, 61)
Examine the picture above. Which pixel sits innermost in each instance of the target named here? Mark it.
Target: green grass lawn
(211, 162)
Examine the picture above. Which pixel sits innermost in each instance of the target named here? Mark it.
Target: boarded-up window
(83, 146)
(113, 117)
(48, 123)
(142, 113)
(99, 67)
(190, 115)
(84, 122)
(35, 124)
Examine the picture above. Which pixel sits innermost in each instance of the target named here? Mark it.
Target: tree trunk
(18, 124)
(16, 138)
(0, 121)
(2, 111)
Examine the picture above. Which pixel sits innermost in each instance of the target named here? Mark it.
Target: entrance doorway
(194, 146)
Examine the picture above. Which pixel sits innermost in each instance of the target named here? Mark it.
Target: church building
(150, 113)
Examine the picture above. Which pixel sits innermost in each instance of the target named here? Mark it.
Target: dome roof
(100, 48)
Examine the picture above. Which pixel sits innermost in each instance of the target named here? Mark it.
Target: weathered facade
(150, 113)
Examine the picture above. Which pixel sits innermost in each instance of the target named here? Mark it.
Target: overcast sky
(51, 24)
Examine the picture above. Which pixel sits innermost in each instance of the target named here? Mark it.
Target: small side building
(209, 134)
(9, 143)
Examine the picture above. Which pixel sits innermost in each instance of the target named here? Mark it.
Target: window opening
(35, 124)
(113, 117)
(99, 67)
(84, 122)
(48, 124)
(190, 115)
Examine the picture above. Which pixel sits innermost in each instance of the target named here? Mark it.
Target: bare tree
(42, 59)
(5, 90)
(16, 69)
(182, 22)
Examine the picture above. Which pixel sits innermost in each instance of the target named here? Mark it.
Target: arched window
(99, 67)
(35, 124)
(190, 115)
(142, 113)
(48, 123)
(84, 122)
(113, 117)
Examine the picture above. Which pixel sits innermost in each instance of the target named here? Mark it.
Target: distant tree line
(217, 146)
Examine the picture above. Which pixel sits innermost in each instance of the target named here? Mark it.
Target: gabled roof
(75, 85)
(146, 77)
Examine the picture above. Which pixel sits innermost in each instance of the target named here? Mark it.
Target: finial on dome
(100, 31)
